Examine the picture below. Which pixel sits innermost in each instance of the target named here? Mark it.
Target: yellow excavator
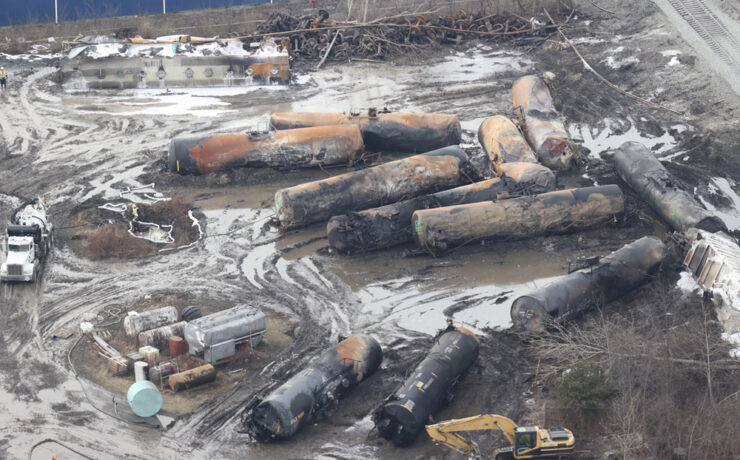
(527, 442)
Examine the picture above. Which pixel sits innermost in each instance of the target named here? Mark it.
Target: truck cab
(21, 264)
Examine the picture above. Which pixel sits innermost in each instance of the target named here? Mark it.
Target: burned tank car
(403, 415)
(321, 385)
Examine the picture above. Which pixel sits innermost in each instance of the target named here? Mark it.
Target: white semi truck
(28, 241)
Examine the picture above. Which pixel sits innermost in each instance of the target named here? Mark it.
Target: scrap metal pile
(313, 37)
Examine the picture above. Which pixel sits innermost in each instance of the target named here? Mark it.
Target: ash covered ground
(83, 149)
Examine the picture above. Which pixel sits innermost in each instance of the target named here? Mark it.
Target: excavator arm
(446, 432)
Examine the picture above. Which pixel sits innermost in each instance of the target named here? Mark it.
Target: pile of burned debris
(318, 37)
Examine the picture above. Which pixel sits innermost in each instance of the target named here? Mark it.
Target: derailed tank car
(615, 275)
(403, 415)
(368, 188)
(401, 132)
(290, 149)
(638, 167)
(308, 394)
(545, 128)
(389, 225)
(561, 211)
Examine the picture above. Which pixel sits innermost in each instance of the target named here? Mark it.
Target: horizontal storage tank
(404, 414)
(614, 275)
(160, 336)
(306, 395)
(147, 320)
(216, 335)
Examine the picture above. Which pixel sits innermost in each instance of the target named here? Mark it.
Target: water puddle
(617, 132)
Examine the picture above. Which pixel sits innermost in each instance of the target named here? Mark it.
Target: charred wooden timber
(543, 125)
(390, 225)
(372, 187)
(144, 321)
(192, 378)
(308, 394)
(503, 142)
(398, 132)
(614, 276)
(403, 414)
(638, 167)
(561, 211)
(289, 149)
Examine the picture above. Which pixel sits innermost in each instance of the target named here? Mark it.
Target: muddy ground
(83, 149)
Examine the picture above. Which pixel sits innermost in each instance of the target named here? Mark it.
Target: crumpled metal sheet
(443, 229)
(544, 128)
(639, 168)
(614, 276)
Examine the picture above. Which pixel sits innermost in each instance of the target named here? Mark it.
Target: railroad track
(711, 29)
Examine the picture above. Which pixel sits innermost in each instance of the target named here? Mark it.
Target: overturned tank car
(403, 415)
(314, 390)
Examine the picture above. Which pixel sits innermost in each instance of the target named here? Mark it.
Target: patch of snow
(669, 53)
(619, 63)
(606, 139)
(673, 62)
(687, 283)
(731, 216)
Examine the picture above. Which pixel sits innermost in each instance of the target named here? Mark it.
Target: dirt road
(83, 149)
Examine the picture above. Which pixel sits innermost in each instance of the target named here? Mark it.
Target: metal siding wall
(34, 11)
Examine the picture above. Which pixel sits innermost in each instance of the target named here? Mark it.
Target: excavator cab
(525, 439)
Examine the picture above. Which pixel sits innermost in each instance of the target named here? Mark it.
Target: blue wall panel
(14, 12)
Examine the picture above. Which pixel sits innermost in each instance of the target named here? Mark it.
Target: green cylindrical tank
(144, 398)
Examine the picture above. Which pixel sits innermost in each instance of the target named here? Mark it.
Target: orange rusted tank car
(445, 228)
(503, 142)
(400, 132)
(289, 149)
(544, 127)
(368, 188)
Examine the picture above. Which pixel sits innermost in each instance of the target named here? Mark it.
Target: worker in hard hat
(135, 217)
(3, 77)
